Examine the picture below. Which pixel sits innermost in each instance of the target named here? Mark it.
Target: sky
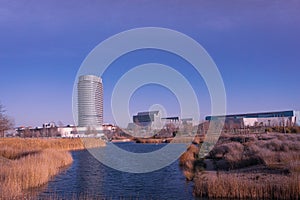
(255, 45)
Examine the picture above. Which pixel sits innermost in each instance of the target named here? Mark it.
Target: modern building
(90, 101)
(149, 119)
(152, 120)
(174, 120)
(277, 118)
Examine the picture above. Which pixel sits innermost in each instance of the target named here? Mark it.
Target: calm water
(88, 178)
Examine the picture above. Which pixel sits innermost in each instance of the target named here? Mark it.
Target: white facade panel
(90, 101)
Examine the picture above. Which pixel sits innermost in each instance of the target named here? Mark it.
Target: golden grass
(252, 167)
(182, 139)
(30, 163)
(247, 186)
(17, 176)
(148, 140)
(189, 155)
(186, 161)
(198, 139)
(177, 139)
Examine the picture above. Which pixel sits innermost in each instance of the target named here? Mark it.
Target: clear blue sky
(255, 45)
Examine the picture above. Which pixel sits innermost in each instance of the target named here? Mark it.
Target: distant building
(174, 120)
(68, 131)
(108, 127)
(50, 130)
(90, 101)
(263, 119)
(131, 126)
(10, 133)
(187, 120)
(73, 131)
(149, 119)
(49, 125)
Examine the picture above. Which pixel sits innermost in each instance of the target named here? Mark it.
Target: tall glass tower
(90, 101)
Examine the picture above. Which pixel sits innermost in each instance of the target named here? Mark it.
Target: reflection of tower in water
(90, 101)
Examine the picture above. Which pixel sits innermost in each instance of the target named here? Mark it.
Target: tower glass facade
(90, 101)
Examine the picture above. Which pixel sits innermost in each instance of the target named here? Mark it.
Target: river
(88, 178)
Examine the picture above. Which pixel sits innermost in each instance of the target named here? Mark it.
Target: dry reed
(31, 162)
(34, 170)
(246, 186)
(186, 161)
(263, 166)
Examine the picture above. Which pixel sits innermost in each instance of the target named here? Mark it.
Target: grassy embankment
(265, 166)
(30, 163)
(178, 139)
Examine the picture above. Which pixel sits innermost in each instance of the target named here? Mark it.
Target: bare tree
(5, 122)
(27, 133)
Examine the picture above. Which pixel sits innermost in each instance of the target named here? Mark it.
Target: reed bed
(261, 166)
(34, 170)
(187, 159)
(31, 162)
(247, 186)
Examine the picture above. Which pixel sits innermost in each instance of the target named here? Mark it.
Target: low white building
(73, 131)
(277, 118)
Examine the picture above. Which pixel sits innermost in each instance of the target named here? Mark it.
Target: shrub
(295, 129)
(275, 173)
(187, 158)
(269, 130)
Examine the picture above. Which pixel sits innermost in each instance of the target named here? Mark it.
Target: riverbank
(259, 166)
(31, 162)
(178, 139)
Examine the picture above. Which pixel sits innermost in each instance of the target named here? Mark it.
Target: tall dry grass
(247, 186)
(14, 148)
(261, 166)
(239, 151)
(187, 159)
(34, 170)
(28, 144)
(30, 163)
